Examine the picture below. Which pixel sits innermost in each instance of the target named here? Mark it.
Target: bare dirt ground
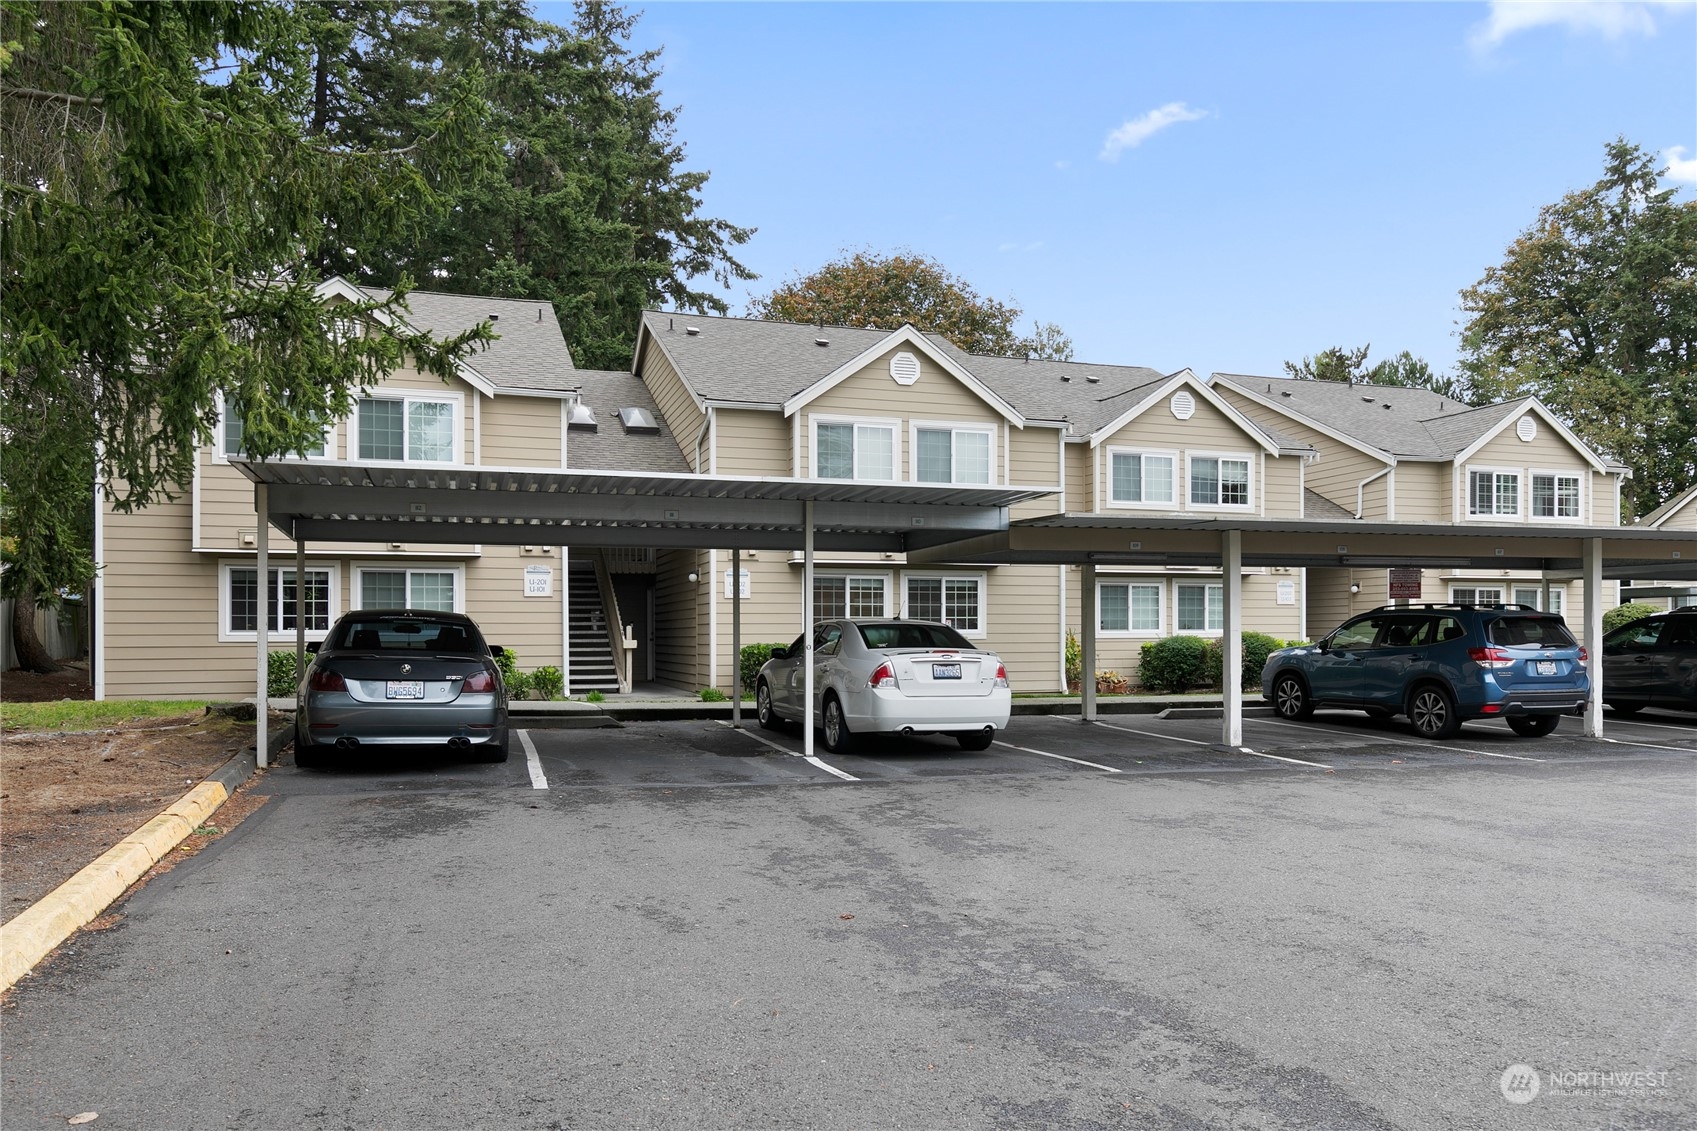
(66, 797)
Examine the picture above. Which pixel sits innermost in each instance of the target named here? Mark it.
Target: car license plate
(945, 671)
(406, 689)
(1546, 667)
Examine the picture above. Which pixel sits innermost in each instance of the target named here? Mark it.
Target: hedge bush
(1257, 646)
(281, 679)
(1176, 663)
(1627, 613)
(754, 657)
(550, 681)
(516, 682)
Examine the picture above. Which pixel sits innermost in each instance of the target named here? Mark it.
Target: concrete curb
(56, 916)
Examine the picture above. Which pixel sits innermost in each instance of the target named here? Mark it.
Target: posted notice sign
(1404, 584)
(538, 581)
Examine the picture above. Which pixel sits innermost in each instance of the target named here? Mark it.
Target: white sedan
(889, 676)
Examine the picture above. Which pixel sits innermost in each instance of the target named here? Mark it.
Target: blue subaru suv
(1439, 665)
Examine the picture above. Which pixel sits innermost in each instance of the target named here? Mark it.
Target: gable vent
(1183, 405)
(581, 418)
(904, 368)
(1527, 429)
(638, 420)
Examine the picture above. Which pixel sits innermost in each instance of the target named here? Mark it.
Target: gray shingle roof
(1316, 505)
(610, 448)
(530, 352)
(1412, 423)
(1667, 508)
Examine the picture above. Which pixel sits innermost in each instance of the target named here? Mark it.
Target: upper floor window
(1493, 493)
(1476, 594)
(1219, 481)
(1140, 477)
(952, 455)
(854, 450)
(1555, 495)
(231, 432)
(407, 429)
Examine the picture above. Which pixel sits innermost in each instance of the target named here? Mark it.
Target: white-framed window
(1685, 602)
(850, 595)
(1131, 608)
(854, 449)
(1534, 595)
(386, 586)
(944, 452)
(238, 600)
(1493, 492)
(230, 430)
(1199, 607)
(1476, 594)
(954, 598)
(1137, 477)
(1219, 480)
(1555, 495)
(407, 428)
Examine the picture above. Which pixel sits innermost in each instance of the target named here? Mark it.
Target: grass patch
(85, 714)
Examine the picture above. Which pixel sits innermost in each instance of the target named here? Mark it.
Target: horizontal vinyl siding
(672, 399)
(1079, 486)
(529, 626)
(1034, 461)
(1423, 492)
(521, 432)
(675, 601)
(1022, 625)
(751, 443)
(1337, 470)
(1282, 488)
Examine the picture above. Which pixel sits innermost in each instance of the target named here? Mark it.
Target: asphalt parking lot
(675, 924)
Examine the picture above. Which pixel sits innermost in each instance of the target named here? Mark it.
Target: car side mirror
(312, 647)
(780, 653)
(497, 650)
(1324, 645)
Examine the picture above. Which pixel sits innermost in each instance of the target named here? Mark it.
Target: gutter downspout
(1361, 489)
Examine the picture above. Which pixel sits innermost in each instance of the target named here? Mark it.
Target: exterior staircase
(592, 667)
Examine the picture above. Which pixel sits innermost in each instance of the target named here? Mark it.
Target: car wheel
(306, 757)
(838, 740)
(1533, 726)
(1290, 698)
(976, 739)
(1626, 708)
(763, 711)
(1432, 711)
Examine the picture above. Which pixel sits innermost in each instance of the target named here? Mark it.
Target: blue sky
(1219, 186)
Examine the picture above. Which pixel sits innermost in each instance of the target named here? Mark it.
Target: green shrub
(1177, 663)
(595, 697)
(281, 679)
(1074, 661)
(549, 681)
(1627, 613)
(754, 657)
(714, 695)
(1257, 646)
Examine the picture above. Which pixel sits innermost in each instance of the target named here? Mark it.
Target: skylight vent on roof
(821, 341)
(1369, 400)
(1093, 378)
(692, 331)
(638, 421)
(581, 418)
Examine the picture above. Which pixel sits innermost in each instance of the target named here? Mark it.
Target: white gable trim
(1182, 378)
(1688, 500)
(1299, 418)
(339, 287)
(907, 336)
(1549, 418)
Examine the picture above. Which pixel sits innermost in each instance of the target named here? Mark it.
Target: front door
(635, 594)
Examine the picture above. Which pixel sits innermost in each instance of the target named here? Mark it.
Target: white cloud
(1034, 245)
(1611, 19)
(1136, 131)
(1680, 169)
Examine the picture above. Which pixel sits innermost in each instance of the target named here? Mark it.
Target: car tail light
(1001, 675)
(1490, 657)
(326, 680)
(1584, 655)
(482, 681)
(884, 676)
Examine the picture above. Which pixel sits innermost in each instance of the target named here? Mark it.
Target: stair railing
(615, 633)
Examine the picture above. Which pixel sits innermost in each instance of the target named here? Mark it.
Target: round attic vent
(1183, 405)
(1527, 429)
(904, 368)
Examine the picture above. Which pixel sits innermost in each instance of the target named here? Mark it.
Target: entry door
(635, 594)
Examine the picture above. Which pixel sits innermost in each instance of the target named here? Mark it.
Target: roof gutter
(1361, 489)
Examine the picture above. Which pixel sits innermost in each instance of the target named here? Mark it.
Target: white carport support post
(1593, 584)
(1231, 645)
(300, 610)
(1087, 644)
(807, 632)
(262, 619)
(736, 639)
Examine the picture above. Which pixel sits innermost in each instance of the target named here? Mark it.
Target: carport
(1590, 554)
(332, 502)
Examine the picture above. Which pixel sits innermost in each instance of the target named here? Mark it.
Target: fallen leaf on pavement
(83, 1117)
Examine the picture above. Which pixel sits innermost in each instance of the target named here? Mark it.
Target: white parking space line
(1402, 741)
(537, 780)
(1617, 721)
(1278, 758)
(764, 741)
(1651, 745)
(1151, 734)
(1060, 757)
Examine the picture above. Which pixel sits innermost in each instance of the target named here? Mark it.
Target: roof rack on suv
(1459, 605)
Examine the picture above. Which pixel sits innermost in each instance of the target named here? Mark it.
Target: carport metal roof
(323, 501)
(1628, 551)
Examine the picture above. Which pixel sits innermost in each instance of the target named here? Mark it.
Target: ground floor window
(956, 601)
(285, 601)
(1533, 595)
(1129, 606)
(836, 597)
(1684, 602)
(436, 589)
(1200, 608)
(1476, 594)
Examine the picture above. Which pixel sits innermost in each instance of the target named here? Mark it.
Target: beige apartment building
(178, 602)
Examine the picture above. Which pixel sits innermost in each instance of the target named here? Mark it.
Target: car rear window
(1546, 632)
(909, 634)
(390, 634)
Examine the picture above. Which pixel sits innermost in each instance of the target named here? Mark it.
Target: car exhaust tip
(346, 743)
(459, 743)
(907, 732)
